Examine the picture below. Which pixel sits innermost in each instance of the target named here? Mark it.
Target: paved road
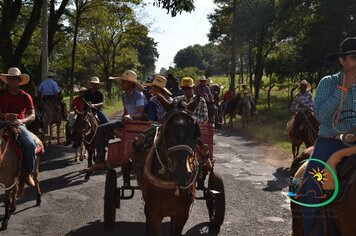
(254, 177)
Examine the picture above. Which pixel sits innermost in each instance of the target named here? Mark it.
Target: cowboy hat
(186, 82)
(159, 81)
(14, 71)
(77, 89)
(51, 74)
(304, 82)
(202, 78)
(95, 80)
(129, 76)
(348, 46)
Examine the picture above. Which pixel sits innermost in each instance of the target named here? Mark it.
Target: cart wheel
(110, 197)
(215, 199)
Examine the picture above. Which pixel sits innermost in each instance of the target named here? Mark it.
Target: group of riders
(147, 102)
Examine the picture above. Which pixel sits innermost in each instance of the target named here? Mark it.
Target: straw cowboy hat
(159, 81)
(81, 89)
(95, 80)
(348, 46)
(202, 78)
(129, 76)
(14, 71)
(187, 82)
(305, 83)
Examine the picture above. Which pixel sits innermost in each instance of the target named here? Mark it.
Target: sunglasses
(187, 88)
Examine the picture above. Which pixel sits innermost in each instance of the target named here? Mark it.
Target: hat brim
(24, 78)
(138, 84)
(165, 89)
(308, 86)
(333, 57)
(93, 82)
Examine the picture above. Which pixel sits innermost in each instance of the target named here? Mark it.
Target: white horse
(245, 108)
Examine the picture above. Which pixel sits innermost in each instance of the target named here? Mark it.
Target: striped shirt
(159, 108)
(326, 101)
(302, 101)
(201, 111)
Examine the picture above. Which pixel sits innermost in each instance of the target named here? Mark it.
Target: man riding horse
(76, 106)
(245, 90)
(134, 102)
(16, 109)
(304, 99)
(334, 100)
(96, 99)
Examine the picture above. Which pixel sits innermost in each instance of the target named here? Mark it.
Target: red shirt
(228, 96)
(77, 103)
(18, 104)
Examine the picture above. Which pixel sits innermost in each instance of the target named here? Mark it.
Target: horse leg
(91, 152)
(50, 135)
(178, 222)
(58, 132)
(153, 223)
(37, 182)
(13, 199)
(7, 215)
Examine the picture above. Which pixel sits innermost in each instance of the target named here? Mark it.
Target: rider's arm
(327, 99)
(29, 116)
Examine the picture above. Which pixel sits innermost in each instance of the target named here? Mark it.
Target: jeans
(323, 149)
(103, 132)
(28, 148)
(101, 116)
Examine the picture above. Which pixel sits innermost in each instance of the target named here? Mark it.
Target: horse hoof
(38, 200)
(76, 159)
(4, 224)
(12, 210)
(87, 176)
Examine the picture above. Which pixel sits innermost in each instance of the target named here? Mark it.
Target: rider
(304, 99)
(134, 102)
(16, 107)
(96, 99)
(201, 110)
(175, 89)
(246, 90)
(329, 93)
(50, 93)
(77, 105)
(154, 108)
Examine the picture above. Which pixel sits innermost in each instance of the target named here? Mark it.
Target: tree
(147, 55)
(175, 6)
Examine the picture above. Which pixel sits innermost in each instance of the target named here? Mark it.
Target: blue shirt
(326, 101)
(133, 101)
(48, 87)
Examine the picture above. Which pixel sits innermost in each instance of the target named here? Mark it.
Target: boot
(100, 163)
(29, 179)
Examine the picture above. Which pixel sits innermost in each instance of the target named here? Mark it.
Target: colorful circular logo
(319, 176)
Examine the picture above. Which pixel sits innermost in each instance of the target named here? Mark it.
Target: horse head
(180, 134)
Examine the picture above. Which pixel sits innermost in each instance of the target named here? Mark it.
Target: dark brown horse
(231, 109)
(167, 178)
(341, 213)
(302, 128)
(85, 127)
(10, 171)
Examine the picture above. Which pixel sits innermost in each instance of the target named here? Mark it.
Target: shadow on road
(280, 182)
(125, 228)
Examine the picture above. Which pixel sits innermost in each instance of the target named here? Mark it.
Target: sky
(176, 33)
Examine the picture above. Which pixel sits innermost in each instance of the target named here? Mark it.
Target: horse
(245, 110)
(302, 128)
(85, 127)
(341, 212)
(80, 152)
(231, 109)
(10, 171)
(167, 177)
(52, 115)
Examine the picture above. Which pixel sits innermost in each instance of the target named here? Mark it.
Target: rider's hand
(349, 78)
(16, 122)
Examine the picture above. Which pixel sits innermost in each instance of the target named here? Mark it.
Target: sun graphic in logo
(319, 175)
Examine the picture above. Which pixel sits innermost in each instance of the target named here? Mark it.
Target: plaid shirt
(201, 111)
(302, 101)
(159, 109)
(200, 90)
(327, 99)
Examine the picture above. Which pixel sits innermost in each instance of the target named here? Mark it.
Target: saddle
(343, 166)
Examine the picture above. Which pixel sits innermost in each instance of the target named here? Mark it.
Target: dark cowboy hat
(348, 46)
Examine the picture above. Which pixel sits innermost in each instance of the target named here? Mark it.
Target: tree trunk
(233, 46)
(270, 86)
(258, 71)
(74, 48)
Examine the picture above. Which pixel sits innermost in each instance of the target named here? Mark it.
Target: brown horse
(85, 127)
(167, 178)
(231, 109)
(52, 115)
(341, 212)
(302, 128)
(10, 172)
